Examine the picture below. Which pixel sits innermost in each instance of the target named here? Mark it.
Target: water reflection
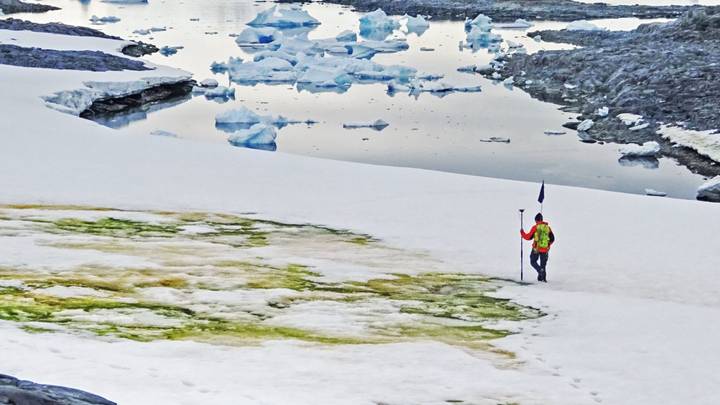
(125, 118)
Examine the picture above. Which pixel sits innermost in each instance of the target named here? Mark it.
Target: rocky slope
(18, 392)
(17, 6)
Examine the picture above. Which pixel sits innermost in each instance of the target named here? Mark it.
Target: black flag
(541, 197)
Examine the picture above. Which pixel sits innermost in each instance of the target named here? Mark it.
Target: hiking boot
(542, 276)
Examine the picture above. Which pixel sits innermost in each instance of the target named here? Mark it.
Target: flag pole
(522, 210)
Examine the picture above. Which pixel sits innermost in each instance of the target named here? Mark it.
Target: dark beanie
(538, 217)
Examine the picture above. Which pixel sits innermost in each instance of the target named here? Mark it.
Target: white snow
(631, 299)
(706, 143)
(602, 112)
(630, 119)
(583, 25)
(648, 149)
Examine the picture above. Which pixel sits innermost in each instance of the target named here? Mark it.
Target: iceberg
(519, 24)
(292, 16)
(209, 83)
(170, 50)
(259, 136)
(241, 115)
(277, 55)
(104, 20)
(254, 36)
(325, 77)
(377, 25)
(710, 190)
(582, 25)
(481, 22)
(346, 36)
(478, 38)
(378, 125)
(220, 92)
(417, 25)
(648, 149)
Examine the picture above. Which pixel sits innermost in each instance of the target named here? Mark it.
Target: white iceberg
(346, 36)
(519, 23)
(377, 25)
(417, 25)
(257, 135)
(220, 92)
(378, 125)
(582, 25)
(255, 36)
(241, 115)
(481, 22)
(648, 149)
(292, 16)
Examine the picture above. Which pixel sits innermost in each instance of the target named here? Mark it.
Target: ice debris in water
(519, 23)
(602, 112)
(630, 119)
(496, 139)
(415, 87)
(378, 125)
(417, 25)
(479, 35)
(710, 190)
(292, 16)
(346, 36)
(220, 92)
(244, 118)
(258, 136)
(655, 193)
(209, 83)
(585, 125)
(648, 149)
(377, 25)
(582, 25)
(170, 50)
(104, 20)
(252, 36)
(148, 31)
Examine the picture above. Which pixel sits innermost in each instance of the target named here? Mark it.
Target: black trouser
(534, 256)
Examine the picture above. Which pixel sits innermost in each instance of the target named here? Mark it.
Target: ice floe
(259, 136)
(104, 20)
(377, 25)
(582, 25)
(378, 125)
(417, 25)
(292, 16)
(648, 149)
(519, 24)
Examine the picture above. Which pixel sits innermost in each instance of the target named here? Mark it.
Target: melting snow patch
(706, 143)
(629, 119)
(648, 149)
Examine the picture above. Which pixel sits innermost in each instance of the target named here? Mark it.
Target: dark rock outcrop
(113, 105)
(17, 6)
(18, 392)
(94, 61)
(667, 73)
(15, 24)
(509, 10)
(138, 49)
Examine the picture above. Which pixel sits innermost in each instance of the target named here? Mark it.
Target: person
(542, 236)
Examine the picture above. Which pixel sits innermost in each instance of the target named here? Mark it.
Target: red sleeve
(529, 235)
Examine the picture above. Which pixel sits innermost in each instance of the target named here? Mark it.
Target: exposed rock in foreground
(94, 61)
(17, 6)
(510, 10)
(18, 392)
(113, 105)
(666, 73)
(138, 49)
(14, 24)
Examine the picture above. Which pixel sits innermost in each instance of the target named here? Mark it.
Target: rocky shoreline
(17, 6)
(19, 392)
(155, 94)
(510, 10)
(667, 73)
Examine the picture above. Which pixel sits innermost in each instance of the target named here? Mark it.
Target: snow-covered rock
(582, 25)
(585, 125)
(378, 125)
(630, 119)
(292, 16)
(710, 190)
(648, 149)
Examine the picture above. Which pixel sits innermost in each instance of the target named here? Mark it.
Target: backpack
(542, 236)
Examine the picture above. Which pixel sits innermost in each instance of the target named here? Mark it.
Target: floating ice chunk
(710, 190)
(416, 87)
(210, 83)
(582, 25)
(258, 135)
(654, 193)
(648, 149)
(426, 49)
(276, 54)
(220, 92)
(241, 115)
(295, 46)
(170, 50)
(148, 31)
(378, 125)
(630, 119)
(602, 112)
(639, 126)
(161, 132)
(219, 67)
(252, 36)
(377, 25)
(346, 36)
(554, 132)
(368, 49)
(513, 44)
(325, 77)
(270, 70)
(104, 20)
(479, 38)
(519, 23)
(417, 25)
(482, 22)
(585, 125)
(496, 139)
(292, 16)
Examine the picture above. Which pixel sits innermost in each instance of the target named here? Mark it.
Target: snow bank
(292, 16)
(648, 149)
(706, 143)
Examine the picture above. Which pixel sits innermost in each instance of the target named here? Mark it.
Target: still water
(426, 132)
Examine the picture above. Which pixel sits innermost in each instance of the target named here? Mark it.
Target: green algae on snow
(195, 255)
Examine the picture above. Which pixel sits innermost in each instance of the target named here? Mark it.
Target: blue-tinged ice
(377, 25)
(259, 136)
(292, 16)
